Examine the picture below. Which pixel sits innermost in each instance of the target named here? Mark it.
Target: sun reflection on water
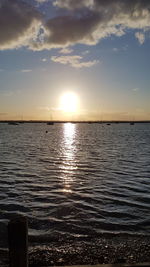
(69, 149)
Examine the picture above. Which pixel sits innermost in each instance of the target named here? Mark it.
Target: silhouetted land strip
(15, 122)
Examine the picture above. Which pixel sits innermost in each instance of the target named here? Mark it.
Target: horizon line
(76, 121)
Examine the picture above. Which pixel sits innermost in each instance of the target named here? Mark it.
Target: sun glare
(69, 102)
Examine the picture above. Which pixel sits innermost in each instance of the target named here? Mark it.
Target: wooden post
(18, 242)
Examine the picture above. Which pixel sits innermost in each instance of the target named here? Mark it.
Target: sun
(69, 102)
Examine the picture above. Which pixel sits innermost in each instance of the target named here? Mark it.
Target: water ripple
(77, 180)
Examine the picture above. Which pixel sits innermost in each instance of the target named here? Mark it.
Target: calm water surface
(76, 180)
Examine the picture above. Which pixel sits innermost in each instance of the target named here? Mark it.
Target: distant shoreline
(90, 121)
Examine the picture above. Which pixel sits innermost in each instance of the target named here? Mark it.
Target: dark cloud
(128, 5)
(92, 20)
(85, 21)
(68, 30)
(18, 23)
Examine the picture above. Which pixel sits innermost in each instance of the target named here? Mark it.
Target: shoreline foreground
(114, 249)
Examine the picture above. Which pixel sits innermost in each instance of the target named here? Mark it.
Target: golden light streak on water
(69, 165)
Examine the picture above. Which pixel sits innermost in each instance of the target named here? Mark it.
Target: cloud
(85, 52)
(74, 61)
(44, 108)
(7, 93)
(141, 37)
(84, 22)
(26, 70)
(49, 109)
(41, 1)
(67, 30)
(18, 23)
(3, 113)
(44, 59)
(115, 49)
(66, 50)
(93, 21)
(118, 5)
(135, 89)
(73, 4)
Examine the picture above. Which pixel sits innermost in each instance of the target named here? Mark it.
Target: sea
(81, 186)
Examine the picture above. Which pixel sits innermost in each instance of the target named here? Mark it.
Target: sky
(96, 50)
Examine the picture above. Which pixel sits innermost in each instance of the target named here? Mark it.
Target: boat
(50, 123)
(13, 123)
